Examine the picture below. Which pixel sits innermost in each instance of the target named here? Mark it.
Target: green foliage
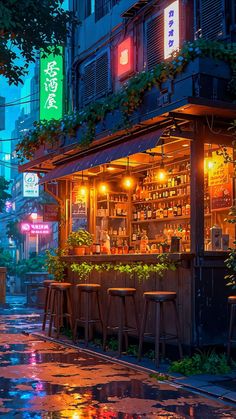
(12, 232)
(33, 264)
(127, 100)
(202, 363)
(6, 261)
(159, 376)
(80, 237)
(4, 195)
(82, 269)
(139, 270)
(54, 263)
(27, 27)
(230, 263)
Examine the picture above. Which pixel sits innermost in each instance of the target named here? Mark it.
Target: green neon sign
(51, 86)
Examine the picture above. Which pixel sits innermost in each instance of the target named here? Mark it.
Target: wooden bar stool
(121, 294)
(231, 339)
(159, 298)
(47, 286)
(60, 296)
(88, 290)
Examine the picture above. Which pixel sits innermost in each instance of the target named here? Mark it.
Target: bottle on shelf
(170, 210)
(165, 211)
(144, 242)
(179, 209)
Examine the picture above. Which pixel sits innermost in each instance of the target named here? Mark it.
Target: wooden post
(2, 285)
(197, 189)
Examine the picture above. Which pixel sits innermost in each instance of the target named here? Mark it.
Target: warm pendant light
(161, 173)
(128, 180)
(83, 187)
(103, 186)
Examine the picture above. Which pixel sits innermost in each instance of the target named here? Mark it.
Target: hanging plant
(127, 100)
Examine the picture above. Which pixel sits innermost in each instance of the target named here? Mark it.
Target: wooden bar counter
(180, 280)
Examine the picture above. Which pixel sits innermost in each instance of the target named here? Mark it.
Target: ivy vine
(139, 270)
(127, 100)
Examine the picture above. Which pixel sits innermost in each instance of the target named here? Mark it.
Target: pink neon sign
(34, 228)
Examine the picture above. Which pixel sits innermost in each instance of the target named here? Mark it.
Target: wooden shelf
(173, 175)
(150, 201)
(110, 216)
(163, 220)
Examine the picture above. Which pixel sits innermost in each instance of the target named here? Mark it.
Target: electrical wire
(24, 97)
(19, 103)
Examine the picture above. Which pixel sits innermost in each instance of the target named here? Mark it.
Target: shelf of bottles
(161, 210)
(114, 207)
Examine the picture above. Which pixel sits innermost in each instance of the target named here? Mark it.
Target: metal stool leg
(157, 334)
(177, 329)
(142, 329)
(106, 323)
(231, 324)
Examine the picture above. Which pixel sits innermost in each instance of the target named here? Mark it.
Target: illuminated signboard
(51, 86)
(30, 185)
(36, 228)
(171, 28)
(125, 57)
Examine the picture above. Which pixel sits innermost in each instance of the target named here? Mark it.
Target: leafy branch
(127, 100)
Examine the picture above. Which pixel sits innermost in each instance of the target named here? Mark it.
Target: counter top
(136, 257)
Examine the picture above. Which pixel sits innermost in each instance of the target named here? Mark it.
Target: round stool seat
(47, 282)
(121, 292)
(161, 296)
(60, 285)
(88, 287)
(232, 299)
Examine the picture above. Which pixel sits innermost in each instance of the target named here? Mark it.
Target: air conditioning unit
(134, 8)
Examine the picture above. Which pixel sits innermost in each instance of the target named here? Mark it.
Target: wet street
(44, 380)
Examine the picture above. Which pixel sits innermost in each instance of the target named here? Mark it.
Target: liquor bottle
(188, 208)
(170, 210)
(161, 211)
(135, 214)
(154, 215)
(138, 233)
(179, 209)
(149, 212)
(158, 212)
(165, 211)
(134, 235)
(184, 209)
(175, 210)
(142, 213)
(143, 242)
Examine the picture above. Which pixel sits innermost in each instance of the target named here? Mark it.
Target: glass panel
(218, 198)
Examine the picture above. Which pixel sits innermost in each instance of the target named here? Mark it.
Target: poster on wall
(79, 208)
(219, 182)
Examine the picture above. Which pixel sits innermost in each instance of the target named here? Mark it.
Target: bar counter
(180, 281)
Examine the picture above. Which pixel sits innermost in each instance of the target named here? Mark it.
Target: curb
(173, 382)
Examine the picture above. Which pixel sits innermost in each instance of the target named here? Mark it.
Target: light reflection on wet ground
(43, 380)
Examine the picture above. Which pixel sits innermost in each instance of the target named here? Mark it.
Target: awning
(137, 145)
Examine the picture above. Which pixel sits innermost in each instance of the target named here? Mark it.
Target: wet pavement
(46, 380)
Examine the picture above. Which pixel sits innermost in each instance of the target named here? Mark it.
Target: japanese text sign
(125, 57)
(171, 28)
(36, 228)
(50, 212)
(30, 185)
(51, 86)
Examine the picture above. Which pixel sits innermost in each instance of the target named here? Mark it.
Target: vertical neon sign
(171, 28)
(51, 85)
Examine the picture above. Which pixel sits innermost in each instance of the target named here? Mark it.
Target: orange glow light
(125, 57)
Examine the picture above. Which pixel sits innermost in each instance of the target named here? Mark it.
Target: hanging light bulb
(103, 186)
(128, 181)
(209, 162)
(83, 188)
(161, 173)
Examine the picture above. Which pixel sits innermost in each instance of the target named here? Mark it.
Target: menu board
(79, 208)
(219, 182)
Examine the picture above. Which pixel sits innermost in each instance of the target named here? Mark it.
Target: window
(211, 17)
(102, 7)
(218, 199)
(95, 79)
(89, 7)
(154, 41)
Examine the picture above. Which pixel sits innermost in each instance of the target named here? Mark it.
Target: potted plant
(79, 240)
(55, 265)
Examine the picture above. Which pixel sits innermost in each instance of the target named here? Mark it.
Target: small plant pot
(79, 251)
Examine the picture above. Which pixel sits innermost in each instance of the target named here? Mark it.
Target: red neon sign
(36, 228)
(125, 57)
